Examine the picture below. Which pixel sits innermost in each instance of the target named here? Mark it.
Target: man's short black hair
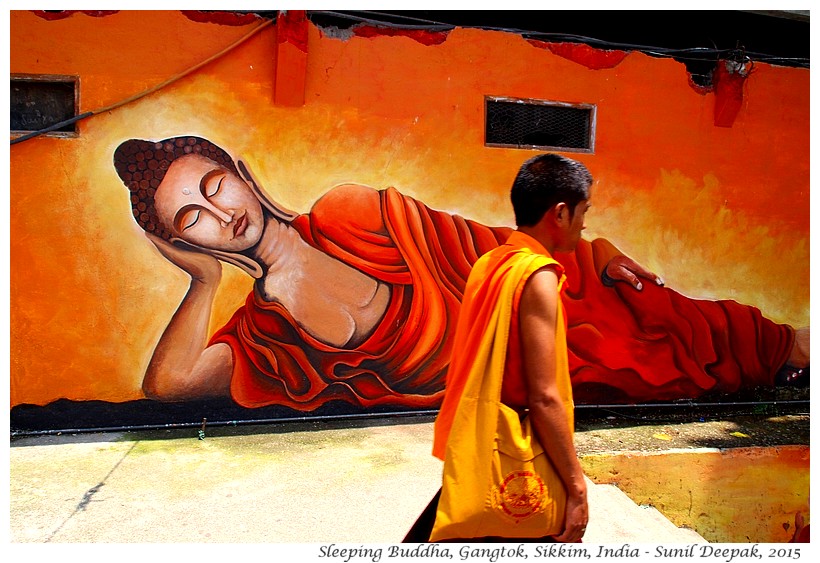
(544, 181)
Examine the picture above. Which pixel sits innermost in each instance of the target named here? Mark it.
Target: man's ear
(279, 212)
(562, 214)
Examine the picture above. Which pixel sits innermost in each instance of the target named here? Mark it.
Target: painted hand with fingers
(199, 265)
(625, 269)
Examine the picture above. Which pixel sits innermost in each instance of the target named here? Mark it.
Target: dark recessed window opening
(538, 124)
(38, 102)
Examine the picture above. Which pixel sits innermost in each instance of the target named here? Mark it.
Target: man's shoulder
(520, 262)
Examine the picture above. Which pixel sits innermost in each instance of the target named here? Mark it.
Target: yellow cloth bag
(497, 479)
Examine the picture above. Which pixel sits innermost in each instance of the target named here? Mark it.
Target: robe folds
(624, 346)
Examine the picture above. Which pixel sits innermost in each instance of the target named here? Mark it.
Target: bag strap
(486, 382)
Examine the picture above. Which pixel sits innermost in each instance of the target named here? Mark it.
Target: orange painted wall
(718, 212)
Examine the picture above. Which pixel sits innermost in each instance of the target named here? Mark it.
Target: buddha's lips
(240, 226)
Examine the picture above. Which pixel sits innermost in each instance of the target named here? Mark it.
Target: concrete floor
(309, 484)
(239, 488)
(297, 491)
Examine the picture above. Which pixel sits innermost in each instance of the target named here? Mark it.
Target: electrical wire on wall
(378, 19)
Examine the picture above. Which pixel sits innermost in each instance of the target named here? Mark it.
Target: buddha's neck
(279, 246)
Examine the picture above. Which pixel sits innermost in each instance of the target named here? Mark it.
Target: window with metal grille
(539, 124)
(40, 101)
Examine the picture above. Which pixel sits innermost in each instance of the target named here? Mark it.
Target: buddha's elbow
(159, 389)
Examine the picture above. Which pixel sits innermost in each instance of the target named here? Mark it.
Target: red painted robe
(625, 346)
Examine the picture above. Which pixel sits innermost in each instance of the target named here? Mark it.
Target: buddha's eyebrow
(206, 177)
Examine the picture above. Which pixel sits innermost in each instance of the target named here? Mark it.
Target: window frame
(51, 78)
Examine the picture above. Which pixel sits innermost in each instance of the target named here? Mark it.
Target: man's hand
(624, 268)
(200, 266)
(577, 518)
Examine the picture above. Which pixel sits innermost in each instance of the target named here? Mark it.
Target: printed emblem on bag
(520, 495)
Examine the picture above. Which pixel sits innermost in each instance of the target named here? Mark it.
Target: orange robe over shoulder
(484, 291)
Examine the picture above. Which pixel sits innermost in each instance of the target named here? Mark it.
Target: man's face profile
(578, 223)
(574, 225)
(204, 204)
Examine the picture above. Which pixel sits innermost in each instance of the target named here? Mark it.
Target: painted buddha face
(205, 204)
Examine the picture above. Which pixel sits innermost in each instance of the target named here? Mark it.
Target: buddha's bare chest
(330, 300)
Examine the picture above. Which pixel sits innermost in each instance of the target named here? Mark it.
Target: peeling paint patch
(699, 88)
(590, 57)
(222, 18)
(422, 36)
(199, 16)
(334, 32)
(52, 15)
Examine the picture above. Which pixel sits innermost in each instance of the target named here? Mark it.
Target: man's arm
(538, 318)
(183, 366)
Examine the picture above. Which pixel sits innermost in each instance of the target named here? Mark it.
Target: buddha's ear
(279, 212)
(247, 265)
